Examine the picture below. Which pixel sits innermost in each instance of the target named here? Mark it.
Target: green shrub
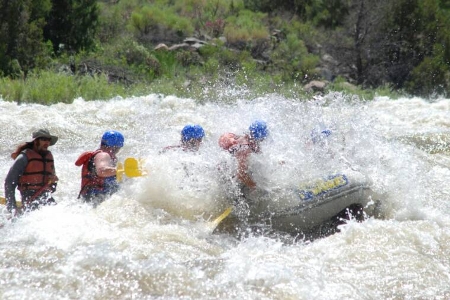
(169, 64)
(430, 77)
(208, 16)
(49, 88)
(11, 90)
(292, 60)
(211, 66)
(111, 22)
(304, 31)
(245, 27)
(146, 19)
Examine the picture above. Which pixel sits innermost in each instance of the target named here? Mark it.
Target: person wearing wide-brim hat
(32, 173)
(43, 133)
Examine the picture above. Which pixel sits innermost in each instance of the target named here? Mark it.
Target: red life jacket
(38, 170)
(89, 178)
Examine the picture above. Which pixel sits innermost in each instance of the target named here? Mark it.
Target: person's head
(42, 139)
(258, 131)
(319, 136)
(112, 140)
(192, 137)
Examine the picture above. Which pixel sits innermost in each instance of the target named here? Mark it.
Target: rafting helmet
(192, 132)
(319, 135)
(199, 132)
(112, 138)
(258, 130)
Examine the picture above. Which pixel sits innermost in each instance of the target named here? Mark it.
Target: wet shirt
(12, 179)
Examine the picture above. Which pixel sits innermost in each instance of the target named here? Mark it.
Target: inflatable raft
(307, 206)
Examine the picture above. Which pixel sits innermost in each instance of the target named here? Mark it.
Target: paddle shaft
(37, 194)
(220, 218)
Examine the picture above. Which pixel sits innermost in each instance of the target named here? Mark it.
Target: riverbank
(50, 88)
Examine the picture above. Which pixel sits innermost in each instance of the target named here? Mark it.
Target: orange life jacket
(38, 170)
(89, 178)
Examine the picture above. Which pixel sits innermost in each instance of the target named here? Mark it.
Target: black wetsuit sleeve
(12, 180)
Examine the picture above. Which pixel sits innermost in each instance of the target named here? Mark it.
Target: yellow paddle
(46, 187)
(119, 172)
(131, 168)
(3, 202)
(220, 218)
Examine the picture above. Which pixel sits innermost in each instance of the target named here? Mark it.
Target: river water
(153, 239)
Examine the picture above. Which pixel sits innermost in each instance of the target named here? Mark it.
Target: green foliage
(146, 19)
(219, 60)
(21, 40)
(12, 89)
(72, 25)
(431, 76)
(135, 54)
(306, 32)
(211, 66)
(246, 26)
(39, 9)
(50, 88)
(170, 66)
(112, 22)
(329, 14)
(418, 38)
(402, 43)
(262, 5)
(206, 16)
(292, 60)
(128, 54)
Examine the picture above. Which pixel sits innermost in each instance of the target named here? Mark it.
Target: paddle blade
(3, 202)
(132, 168)
(220, 218)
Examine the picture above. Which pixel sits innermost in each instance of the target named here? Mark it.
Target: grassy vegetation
(50, 88)
(125, 45)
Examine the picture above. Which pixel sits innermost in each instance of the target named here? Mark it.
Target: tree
(72, 25)
(431, 75)
(357, 43)
(21, 45)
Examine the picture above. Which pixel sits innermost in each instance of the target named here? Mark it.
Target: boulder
(315, 86)
(162, 47)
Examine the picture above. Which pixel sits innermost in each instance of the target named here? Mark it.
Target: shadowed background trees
(403, 44)
(34, 31)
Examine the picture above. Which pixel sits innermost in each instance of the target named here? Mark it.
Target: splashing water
(150, 240)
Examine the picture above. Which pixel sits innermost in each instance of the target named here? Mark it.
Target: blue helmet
(326, 132)
(258, 130)
(112, 138)
(318, 135)
(192, 132)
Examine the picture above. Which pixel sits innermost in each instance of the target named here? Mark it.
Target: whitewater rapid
(151, 240)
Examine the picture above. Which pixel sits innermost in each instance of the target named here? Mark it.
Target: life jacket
(39, 170)
(233, 143)
(90, 181)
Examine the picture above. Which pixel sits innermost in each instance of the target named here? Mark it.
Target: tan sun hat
(44, 133)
